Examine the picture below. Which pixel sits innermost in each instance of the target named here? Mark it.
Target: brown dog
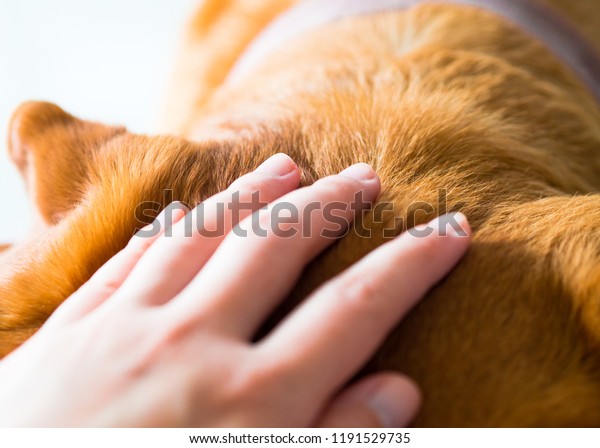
(443, 100)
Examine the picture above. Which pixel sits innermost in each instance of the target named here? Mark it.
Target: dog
(457, 107)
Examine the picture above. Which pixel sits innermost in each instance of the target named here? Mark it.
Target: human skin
(162, 334)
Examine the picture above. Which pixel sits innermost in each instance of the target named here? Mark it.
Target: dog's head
(91, 186)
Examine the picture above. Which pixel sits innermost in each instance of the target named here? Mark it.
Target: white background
(106, 60)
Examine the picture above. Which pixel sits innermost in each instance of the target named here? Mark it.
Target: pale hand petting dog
(437, 97)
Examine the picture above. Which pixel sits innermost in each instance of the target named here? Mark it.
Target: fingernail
(394, 404)
(453, 224)
(277, 165)
(360, 171)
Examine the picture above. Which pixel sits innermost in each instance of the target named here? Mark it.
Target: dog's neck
(538, 20)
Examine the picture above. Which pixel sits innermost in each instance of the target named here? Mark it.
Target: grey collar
(536, 19)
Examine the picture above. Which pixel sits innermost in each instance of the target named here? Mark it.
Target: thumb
(384, 400)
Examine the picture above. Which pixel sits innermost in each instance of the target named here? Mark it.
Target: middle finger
(249, 275)
(172, 262)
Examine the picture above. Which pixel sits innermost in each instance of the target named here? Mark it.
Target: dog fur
(493, 119)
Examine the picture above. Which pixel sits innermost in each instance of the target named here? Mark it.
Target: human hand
(161, 334)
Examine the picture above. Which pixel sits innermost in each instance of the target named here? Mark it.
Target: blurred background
(106, 61)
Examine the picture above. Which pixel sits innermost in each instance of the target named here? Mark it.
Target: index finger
(336, 330)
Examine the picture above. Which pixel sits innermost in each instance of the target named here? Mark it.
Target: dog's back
(491, 123)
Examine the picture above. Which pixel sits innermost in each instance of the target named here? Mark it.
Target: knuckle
(138, 245)
(108, 287)
(254, 383)
(335, 187)
(361, 293)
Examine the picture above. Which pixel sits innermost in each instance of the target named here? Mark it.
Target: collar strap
(539, 21)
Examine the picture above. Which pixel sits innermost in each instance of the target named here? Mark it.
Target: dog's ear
(52, 150)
